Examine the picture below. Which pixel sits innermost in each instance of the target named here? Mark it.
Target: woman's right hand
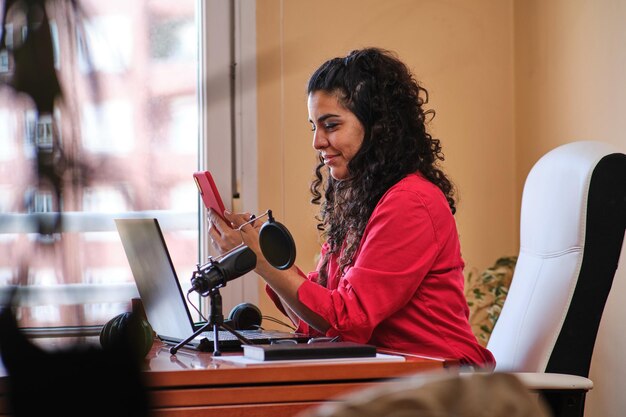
(222, 233)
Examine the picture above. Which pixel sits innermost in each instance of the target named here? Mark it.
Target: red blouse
(404, 290)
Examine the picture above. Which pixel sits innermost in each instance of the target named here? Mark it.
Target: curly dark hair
(383, 94)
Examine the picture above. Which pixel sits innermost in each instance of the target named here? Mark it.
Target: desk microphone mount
(216, 320)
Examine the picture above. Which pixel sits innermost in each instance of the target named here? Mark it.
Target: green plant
(486, 293)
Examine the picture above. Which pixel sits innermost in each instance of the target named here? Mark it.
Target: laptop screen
(155, 276)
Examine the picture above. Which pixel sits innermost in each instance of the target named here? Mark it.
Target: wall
(461, 52)
(570, 84)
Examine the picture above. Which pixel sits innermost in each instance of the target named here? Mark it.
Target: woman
(390, 272)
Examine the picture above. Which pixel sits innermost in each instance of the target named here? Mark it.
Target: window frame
(233, 163)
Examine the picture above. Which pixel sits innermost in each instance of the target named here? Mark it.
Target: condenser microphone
(216, 274)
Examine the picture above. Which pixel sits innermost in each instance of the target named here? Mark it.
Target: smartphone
(208, 191)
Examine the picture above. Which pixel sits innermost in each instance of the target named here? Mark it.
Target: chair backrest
(571, 232)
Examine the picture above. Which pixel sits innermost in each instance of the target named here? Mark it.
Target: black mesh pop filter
(277, 244)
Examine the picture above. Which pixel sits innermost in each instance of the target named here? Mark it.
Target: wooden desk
(194, 384)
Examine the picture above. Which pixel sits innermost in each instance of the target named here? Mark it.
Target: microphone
(216, 274)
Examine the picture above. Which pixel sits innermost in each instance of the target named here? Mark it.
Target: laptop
(162, 295)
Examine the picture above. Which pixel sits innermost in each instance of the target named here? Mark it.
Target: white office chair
(572, 229)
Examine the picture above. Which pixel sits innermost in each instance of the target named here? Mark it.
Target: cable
(196, 308)
(275, 320)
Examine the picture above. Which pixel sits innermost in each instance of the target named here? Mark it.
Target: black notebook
(321, 350)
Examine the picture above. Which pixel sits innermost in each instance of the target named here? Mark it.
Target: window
(131, 145)
(39, 132)
(112, 38)
(108, 127)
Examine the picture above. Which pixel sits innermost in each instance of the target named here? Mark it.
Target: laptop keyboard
(255, 335)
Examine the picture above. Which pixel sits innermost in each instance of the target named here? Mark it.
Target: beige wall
(460, 51)
(570, 79)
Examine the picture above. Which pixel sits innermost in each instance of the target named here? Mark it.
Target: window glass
(108, 127)
(126, 140)
(108, 39)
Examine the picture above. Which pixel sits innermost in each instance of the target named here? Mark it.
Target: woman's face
(337, 133)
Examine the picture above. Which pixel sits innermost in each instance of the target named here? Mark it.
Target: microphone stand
(216, 320)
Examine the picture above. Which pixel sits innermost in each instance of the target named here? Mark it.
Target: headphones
(244, 316)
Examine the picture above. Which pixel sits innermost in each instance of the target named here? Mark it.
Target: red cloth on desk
(405, 288)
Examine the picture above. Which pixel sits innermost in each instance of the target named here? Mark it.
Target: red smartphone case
(208, 191)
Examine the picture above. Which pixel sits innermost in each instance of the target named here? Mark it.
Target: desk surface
(191, 367)
(194, 383)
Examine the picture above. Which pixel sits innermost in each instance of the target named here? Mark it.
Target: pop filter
(277, 244)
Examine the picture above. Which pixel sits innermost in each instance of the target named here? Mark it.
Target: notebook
(162, 295)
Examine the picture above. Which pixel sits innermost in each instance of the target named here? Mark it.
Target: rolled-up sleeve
(397, 250)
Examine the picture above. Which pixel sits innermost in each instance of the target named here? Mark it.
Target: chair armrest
(548, 381)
